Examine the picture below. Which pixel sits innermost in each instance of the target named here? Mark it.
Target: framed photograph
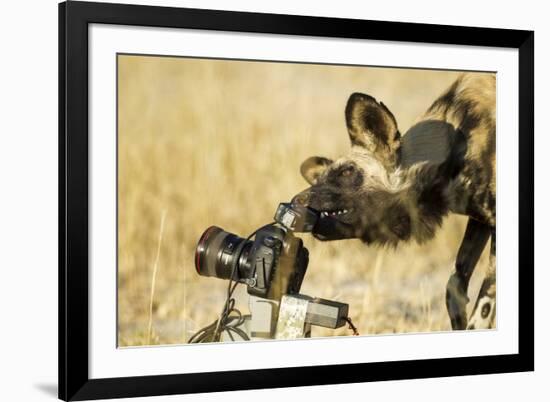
(257, 200)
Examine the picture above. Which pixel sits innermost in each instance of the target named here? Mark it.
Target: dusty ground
(209, 142)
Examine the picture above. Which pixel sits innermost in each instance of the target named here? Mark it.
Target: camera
(272, 264)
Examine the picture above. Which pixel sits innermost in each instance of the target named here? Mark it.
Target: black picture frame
(74, 18)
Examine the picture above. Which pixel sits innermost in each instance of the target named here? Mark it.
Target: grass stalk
(154, 279)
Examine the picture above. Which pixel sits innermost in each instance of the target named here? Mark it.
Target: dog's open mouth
(334, 225)
(336, 213)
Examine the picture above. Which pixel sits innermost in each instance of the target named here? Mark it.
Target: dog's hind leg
(483, 315)
(473, 243)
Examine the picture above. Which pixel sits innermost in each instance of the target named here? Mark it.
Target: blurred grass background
(220, 142)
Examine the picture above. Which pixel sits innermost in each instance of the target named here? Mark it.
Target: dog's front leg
(473, 243)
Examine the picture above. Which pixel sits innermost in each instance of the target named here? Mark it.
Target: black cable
(351, 326)
(230, 318)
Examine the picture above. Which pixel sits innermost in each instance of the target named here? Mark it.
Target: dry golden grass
(212, 142)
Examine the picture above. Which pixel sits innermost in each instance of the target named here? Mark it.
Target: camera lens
(216, 253)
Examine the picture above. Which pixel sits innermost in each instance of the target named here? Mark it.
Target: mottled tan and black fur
(392, 188)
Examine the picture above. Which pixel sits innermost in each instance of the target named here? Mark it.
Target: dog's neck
(414, 208)
(431, 155)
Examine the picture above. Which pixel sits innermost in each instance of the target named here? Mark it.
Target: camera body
(272, 264)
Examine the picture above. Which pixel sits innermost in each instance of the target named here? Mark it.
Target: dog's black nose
(301, 199)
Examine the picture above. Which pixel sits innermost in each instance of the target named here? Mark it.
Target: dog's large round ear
(313, 167)
(373, 127)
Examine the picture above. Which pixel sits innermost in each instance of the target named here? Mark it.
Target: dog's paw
(484, 314)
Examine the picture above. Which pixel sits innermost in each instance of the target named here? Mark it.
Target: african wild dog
(393, 188)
